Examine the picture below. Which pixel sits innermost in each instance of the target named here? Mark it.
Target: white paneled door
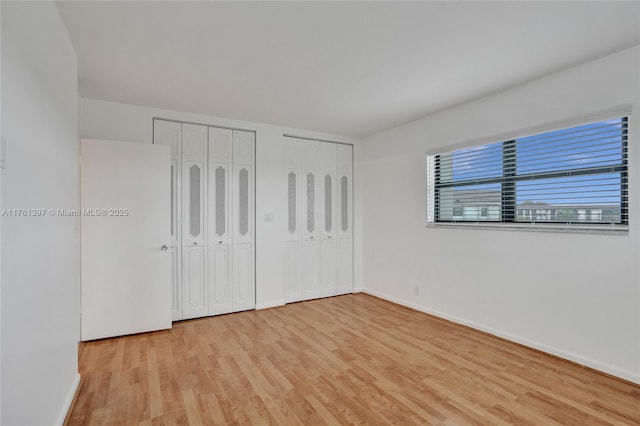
(125, 238)
(194, 209)
(169, 133)
(243, 283)
(344, 218)
(310, 157)
(220, 161)
(293, 244)
(328, 223)
(318, 252)
(213, 223)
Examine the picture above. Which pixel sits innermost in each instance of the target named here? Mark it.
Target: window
(573, 176)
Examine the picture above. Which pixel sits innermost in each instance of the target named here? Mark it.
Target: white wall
(116, 121)
(573, 295)
(40, 255)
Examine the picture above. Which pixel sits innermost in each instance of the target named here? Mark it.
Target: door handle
(164, 247)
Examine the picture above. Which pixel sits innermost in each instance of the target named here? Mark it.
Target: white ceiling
(350, 68)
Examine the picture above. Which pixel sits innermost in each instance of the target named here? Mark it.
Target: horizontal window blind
(570, 176)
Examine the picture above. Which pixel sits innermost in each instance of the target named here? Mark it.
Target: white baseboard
(269, 305)
(68, 400)
(579, 359)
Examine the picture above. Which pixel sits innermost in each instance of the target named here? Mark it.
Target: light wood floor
(343, 360)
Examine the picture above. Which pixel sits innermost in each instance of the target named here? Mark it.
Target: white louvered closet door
(212, 218)
(310, 153)
(194, 209)
(293, 244)
(170, 133)
(344, 219)
(318, 243)
(219, 246)
(328, 222)
(243, 262)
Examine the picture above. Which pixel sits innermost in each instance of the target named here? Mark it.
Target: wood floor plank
(352, 359)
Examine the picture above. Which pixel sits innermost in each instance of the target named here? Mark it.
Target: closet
(212, 218)
(319, 236)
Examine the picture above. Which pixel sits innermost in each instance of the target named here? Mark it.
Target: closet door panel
(345, 191)
(193, 216)
(291, 153)
(243, 147)
(344, 214)
(344, 157)
(328, 190)
(219, 276)
(309, 205)
(220, 154)
(310, 190)
(194, 202)
(219, 218)
(292, 271)
(194, 142)
(243, 213)
(219, 203)
(295, 196)
(291, 161)
(243, 282)
(310, 152)
(328, 273)
(242, 198)
(328, 157)
(243, 187)
(194, 293)
(220, 300)
(328, 221)
(310, 216)
(170, 133)
(293, 205)
(194, 183)
(310, 269)
(176, 283)
(175, 201)
(345, 266)
(345, 218)
(220, 145)
(328, 204)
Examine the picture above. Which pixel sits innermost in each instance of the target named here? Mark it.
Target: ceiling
(349, 68)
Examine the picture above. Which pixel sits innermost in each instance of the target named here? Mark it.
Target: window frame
(510, 177)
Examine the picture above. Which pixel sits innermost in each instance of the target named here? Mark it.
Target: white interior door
(328, 251)
(126, 264)
(293, 245)
(318, 246)
(310, 157)
(344, 218)
(170, 133)
(242, 258)
(219, 263)
(195, 294)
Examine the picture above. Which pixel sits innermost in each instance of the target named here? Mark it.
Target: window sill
(538, 227)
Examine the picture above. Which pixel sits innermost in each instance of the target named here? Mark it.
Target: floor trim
(70, 402)
(596, 366)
